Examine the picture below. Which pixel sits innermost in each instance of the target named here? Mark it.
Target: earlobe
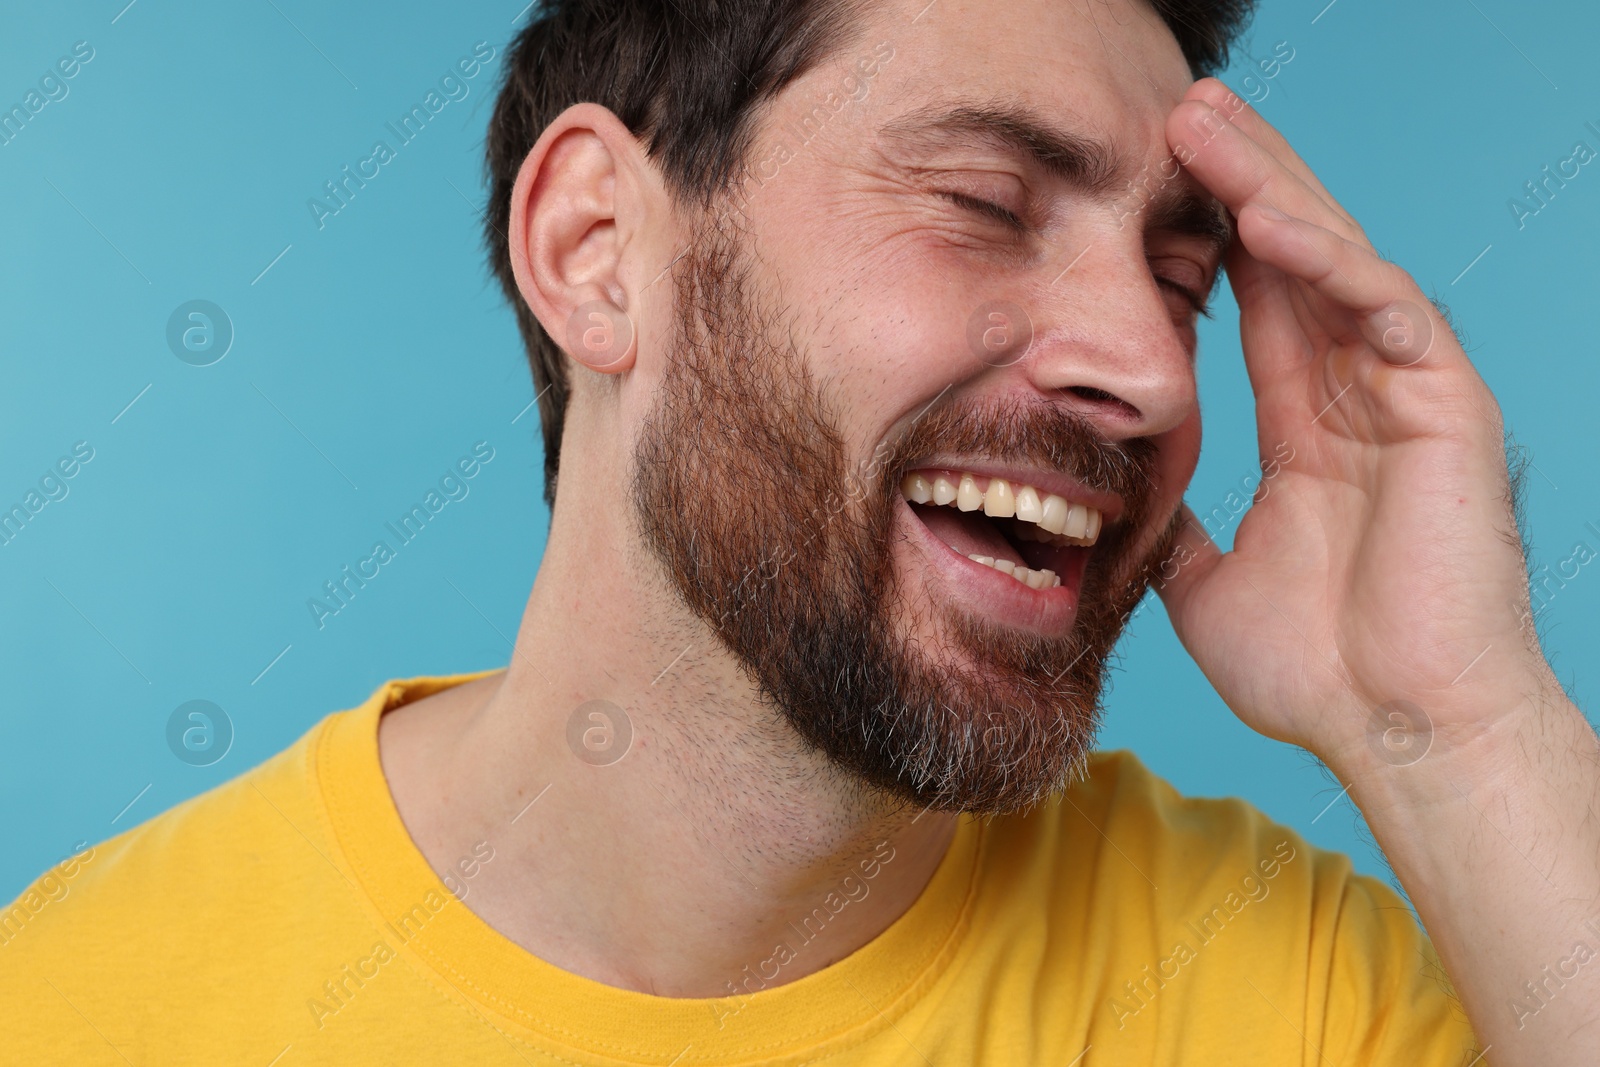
(568, 232)
(600, 336)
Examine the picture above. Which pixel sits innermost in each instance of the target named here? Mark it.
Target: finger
(1259, 130)
(1270, 331)
(1238, 171)
(1386, 308)
(1193, 555)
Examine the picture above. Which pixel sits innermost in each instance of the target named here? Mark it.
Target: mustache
(1034, 432)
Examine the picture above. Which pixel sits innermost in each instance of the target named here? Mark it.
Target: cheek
(886, 336)
(884, 350)
(881, 304)
(655, 331)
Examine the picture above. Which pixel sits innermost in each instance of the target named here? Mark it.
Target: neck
(672, 868)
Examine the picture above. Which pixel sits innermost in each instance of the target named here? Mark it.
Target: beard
(746, 495)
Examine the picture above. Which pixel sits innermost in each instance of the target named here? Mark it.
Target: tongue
(968, 532)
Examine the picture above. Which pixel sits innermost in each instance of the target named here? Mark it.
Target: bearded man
(864, 340)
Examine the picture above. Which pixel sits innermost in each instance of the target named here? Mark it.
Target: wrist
(1416, 756)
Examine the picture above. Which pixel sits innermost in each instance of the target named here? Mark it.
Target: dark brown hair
(687, 78)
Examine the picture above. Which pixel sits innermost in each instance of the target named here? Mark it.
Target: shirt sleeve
(1386, 995)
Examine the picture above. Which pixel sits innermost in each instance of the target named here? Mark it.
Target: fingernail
(1270, 213)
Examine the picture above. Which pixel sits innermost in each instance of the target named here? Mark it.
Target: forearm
(1496, 839)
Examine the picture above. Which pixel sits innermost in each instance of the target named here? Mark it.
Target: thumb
(1192, 557)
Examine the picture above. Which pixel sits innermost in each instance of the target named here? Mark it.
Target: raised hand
(1374, 607)
(1384, 566)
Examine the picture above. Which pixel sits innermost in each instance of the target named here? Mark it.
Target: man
(865, 339)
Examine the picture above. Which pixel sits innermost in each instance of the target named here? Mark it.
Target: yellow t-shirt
(286, 919)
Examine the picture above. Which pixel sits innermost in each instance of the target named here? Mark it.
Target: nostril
(1104, 399)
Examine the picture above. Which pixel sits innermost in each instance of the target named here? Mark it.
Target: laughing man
(864, 335)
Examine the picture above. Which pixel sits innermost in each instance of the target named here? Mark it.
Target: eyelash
(1009, 218)
(1201, 305)
(1002, 215)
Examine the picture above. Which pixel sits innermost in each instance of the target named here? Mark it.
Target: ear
(579, 200)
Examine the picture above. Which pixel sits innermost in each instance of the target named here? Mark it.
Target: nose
(1105, 342)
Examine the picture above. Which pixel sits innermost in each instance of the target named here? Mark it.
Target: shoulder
(1132, 873)
(211, 853)
(1193, 851)
(1121, 810)
(240, 895)
(164, 912)
(257, 851)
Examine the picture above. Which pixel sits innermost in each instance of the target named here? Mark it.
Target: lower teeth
(1040, 579)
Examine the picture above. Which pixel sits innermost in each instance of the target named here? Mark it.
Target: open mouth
(1033, 536)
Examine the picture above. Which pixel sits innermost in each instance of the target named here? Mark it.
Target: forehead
(1110, 68)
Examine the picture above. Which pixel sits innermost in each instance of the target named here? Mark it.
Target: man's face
(836, 371)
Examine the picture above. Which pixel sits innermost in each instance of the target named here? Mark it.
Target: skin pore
(672, 869)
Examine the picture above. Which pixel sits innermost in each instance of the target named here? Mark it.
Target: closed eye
(987, 208)
(1200, 302)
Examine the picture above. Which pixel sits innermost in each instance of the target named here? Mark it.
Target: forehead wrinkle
(1086, 162)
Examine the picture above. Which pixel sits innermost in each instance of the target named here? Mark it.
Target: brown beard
(802, 588)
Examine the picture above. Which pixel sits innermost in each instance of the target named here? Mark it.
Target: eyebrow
(1192, 215)
(1083, 162)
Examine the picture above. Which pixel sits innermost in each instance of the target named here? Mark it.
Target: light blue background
(375, 351)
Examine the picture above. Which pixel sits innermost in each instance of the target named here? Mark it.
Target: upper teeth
(1041, 516)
